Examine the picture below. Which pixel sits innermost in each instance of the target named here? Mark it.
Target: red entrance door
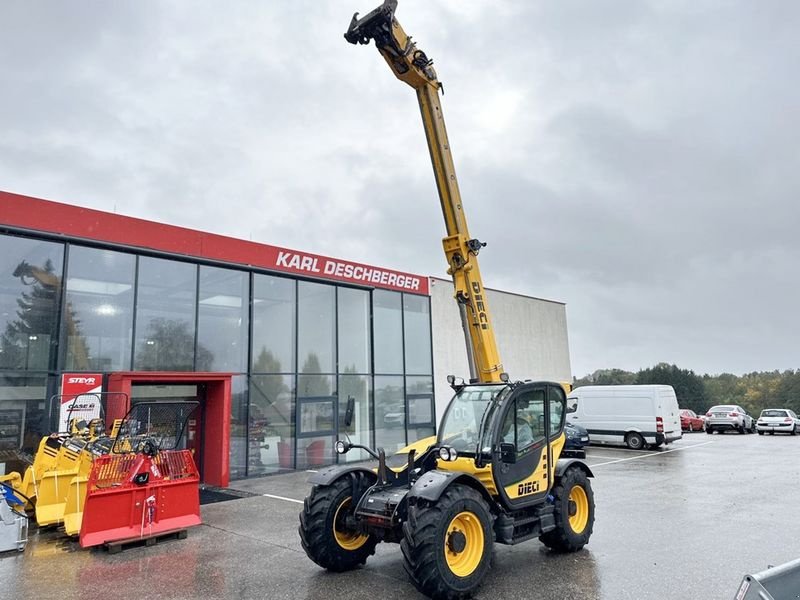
(212, 427)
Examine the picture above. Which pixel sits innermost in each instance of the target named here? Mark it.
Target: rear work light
(659, 425)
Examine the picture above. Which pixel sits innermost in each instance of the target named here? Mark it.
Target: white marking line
(311, 471)
(593, 455)
(283, 498)
(611, 462)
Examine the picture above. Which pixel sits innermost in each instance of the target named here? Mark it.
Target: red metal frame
(54, 217)
(216, 425)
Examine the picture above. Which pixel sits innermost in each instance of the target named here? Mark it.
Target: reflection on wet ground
(690, 522)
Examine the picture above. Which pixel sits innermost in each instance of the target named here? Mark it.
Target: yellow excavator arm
(411, 65)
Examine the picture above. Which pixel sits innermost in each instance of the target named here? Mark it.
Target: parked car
(690, 421)
(729, 417)
(577, 436)
(778, 420)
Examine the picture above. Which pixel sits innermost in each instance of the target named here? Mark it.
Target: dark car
(577, 436)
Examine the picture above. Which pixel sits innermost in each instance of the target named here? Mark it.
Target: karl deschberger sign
(342, 270)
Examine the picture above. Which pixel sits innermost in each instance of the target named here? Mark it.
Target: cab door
(522, 457)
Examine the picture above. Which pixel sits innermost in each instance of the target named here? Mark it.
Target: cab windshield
(463, 417)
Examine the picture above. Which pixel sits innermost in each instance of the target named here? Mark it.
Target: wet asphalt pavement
(686, 523)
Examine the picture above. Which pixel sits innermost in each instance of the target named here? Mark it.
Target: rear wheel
(760, 432)
(742, 429)
(709, 431)
(794, 429)
(447, 544)
(574, 512)
(634, 441)
(324, 534)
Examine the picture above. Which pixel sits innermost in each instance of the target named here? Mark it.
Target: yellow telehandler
(497, 472)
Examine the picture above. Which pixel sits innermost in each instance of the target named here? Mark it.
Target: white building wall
(531, 336)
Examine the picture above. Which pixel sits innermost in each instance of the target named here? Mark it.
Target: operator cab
(517, 429)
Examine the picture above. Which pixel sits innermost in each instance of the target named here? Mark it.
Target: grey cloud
(636, 160)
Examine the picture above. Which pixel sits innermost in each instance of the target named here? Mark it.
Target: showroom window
(417, 330)
(98, 320)
(387, 323)
(316, 328)
(274, 324)
(222, 320)
(272, 419)
(30, 294)
(165, 316)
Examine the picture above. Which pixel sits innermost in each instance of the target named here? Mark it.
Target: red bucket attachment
(135, 496)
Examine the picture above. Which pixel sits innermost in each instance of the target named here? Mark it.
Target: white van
(634, 415)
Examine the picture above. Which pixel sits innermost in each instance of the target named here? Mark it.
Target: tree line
(752, 391)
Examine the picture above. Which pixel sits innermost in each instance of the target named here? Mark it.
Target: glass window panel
(238, 454)
(316, 327)
(30, 290)
(315, 403)
(272, 421)
(390, 413)
(100, 309)
(419, 394)
(417, 325)
(358, 388)
(222, 320)
(315, 452)
(273, 324)
(23, 418)
(353, 325)
(387, 322)
(165, 315)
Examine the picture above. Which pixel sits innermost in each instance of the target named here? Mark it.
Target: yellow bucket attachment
(73, 509)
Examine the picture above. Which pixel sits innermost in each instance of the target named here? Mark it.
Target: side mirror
(349, 412)
(508, 453)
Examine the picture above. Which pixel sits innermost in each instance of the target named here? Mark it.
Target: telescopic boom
(412, 66)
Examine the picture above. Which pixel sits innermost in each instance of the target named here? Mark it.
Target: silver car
(727, 417)
(778, 420)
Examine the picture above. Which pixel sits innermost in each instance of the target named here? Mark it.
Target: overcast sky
(636, 160)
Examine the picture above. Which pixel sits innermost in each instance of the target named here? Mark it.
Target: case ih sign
(80, 398)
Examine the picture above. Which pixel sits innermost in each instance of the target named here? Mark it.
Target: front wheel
(447, 544)
(324, 534)
(573, 501)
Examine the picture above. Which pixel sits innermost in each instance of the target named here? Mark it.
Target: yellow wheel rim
(349, 540)
(578, 521)
(464, 530)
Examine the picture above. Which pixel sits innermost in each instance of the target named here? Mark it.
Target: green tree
(688, 386)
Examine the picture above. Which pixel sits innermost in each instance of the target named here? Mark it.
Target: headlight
(448, 454)
(341, 447)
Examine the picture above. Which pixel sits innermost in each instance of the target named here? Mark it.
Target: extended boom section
(412, 66)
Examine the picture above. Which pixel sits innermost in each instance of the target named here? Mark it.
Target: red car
(690, 421)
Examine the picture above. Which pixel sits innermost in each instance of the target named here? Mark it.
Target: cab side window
(524, 424)
(558, 402)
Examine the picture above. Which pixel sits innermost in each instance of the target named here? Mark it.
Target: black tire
(428, 556)
(322, 512)
(634, 441)
(709, 431)
(742, 429)
(564, 538)
(760, 433)
(794, 429)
